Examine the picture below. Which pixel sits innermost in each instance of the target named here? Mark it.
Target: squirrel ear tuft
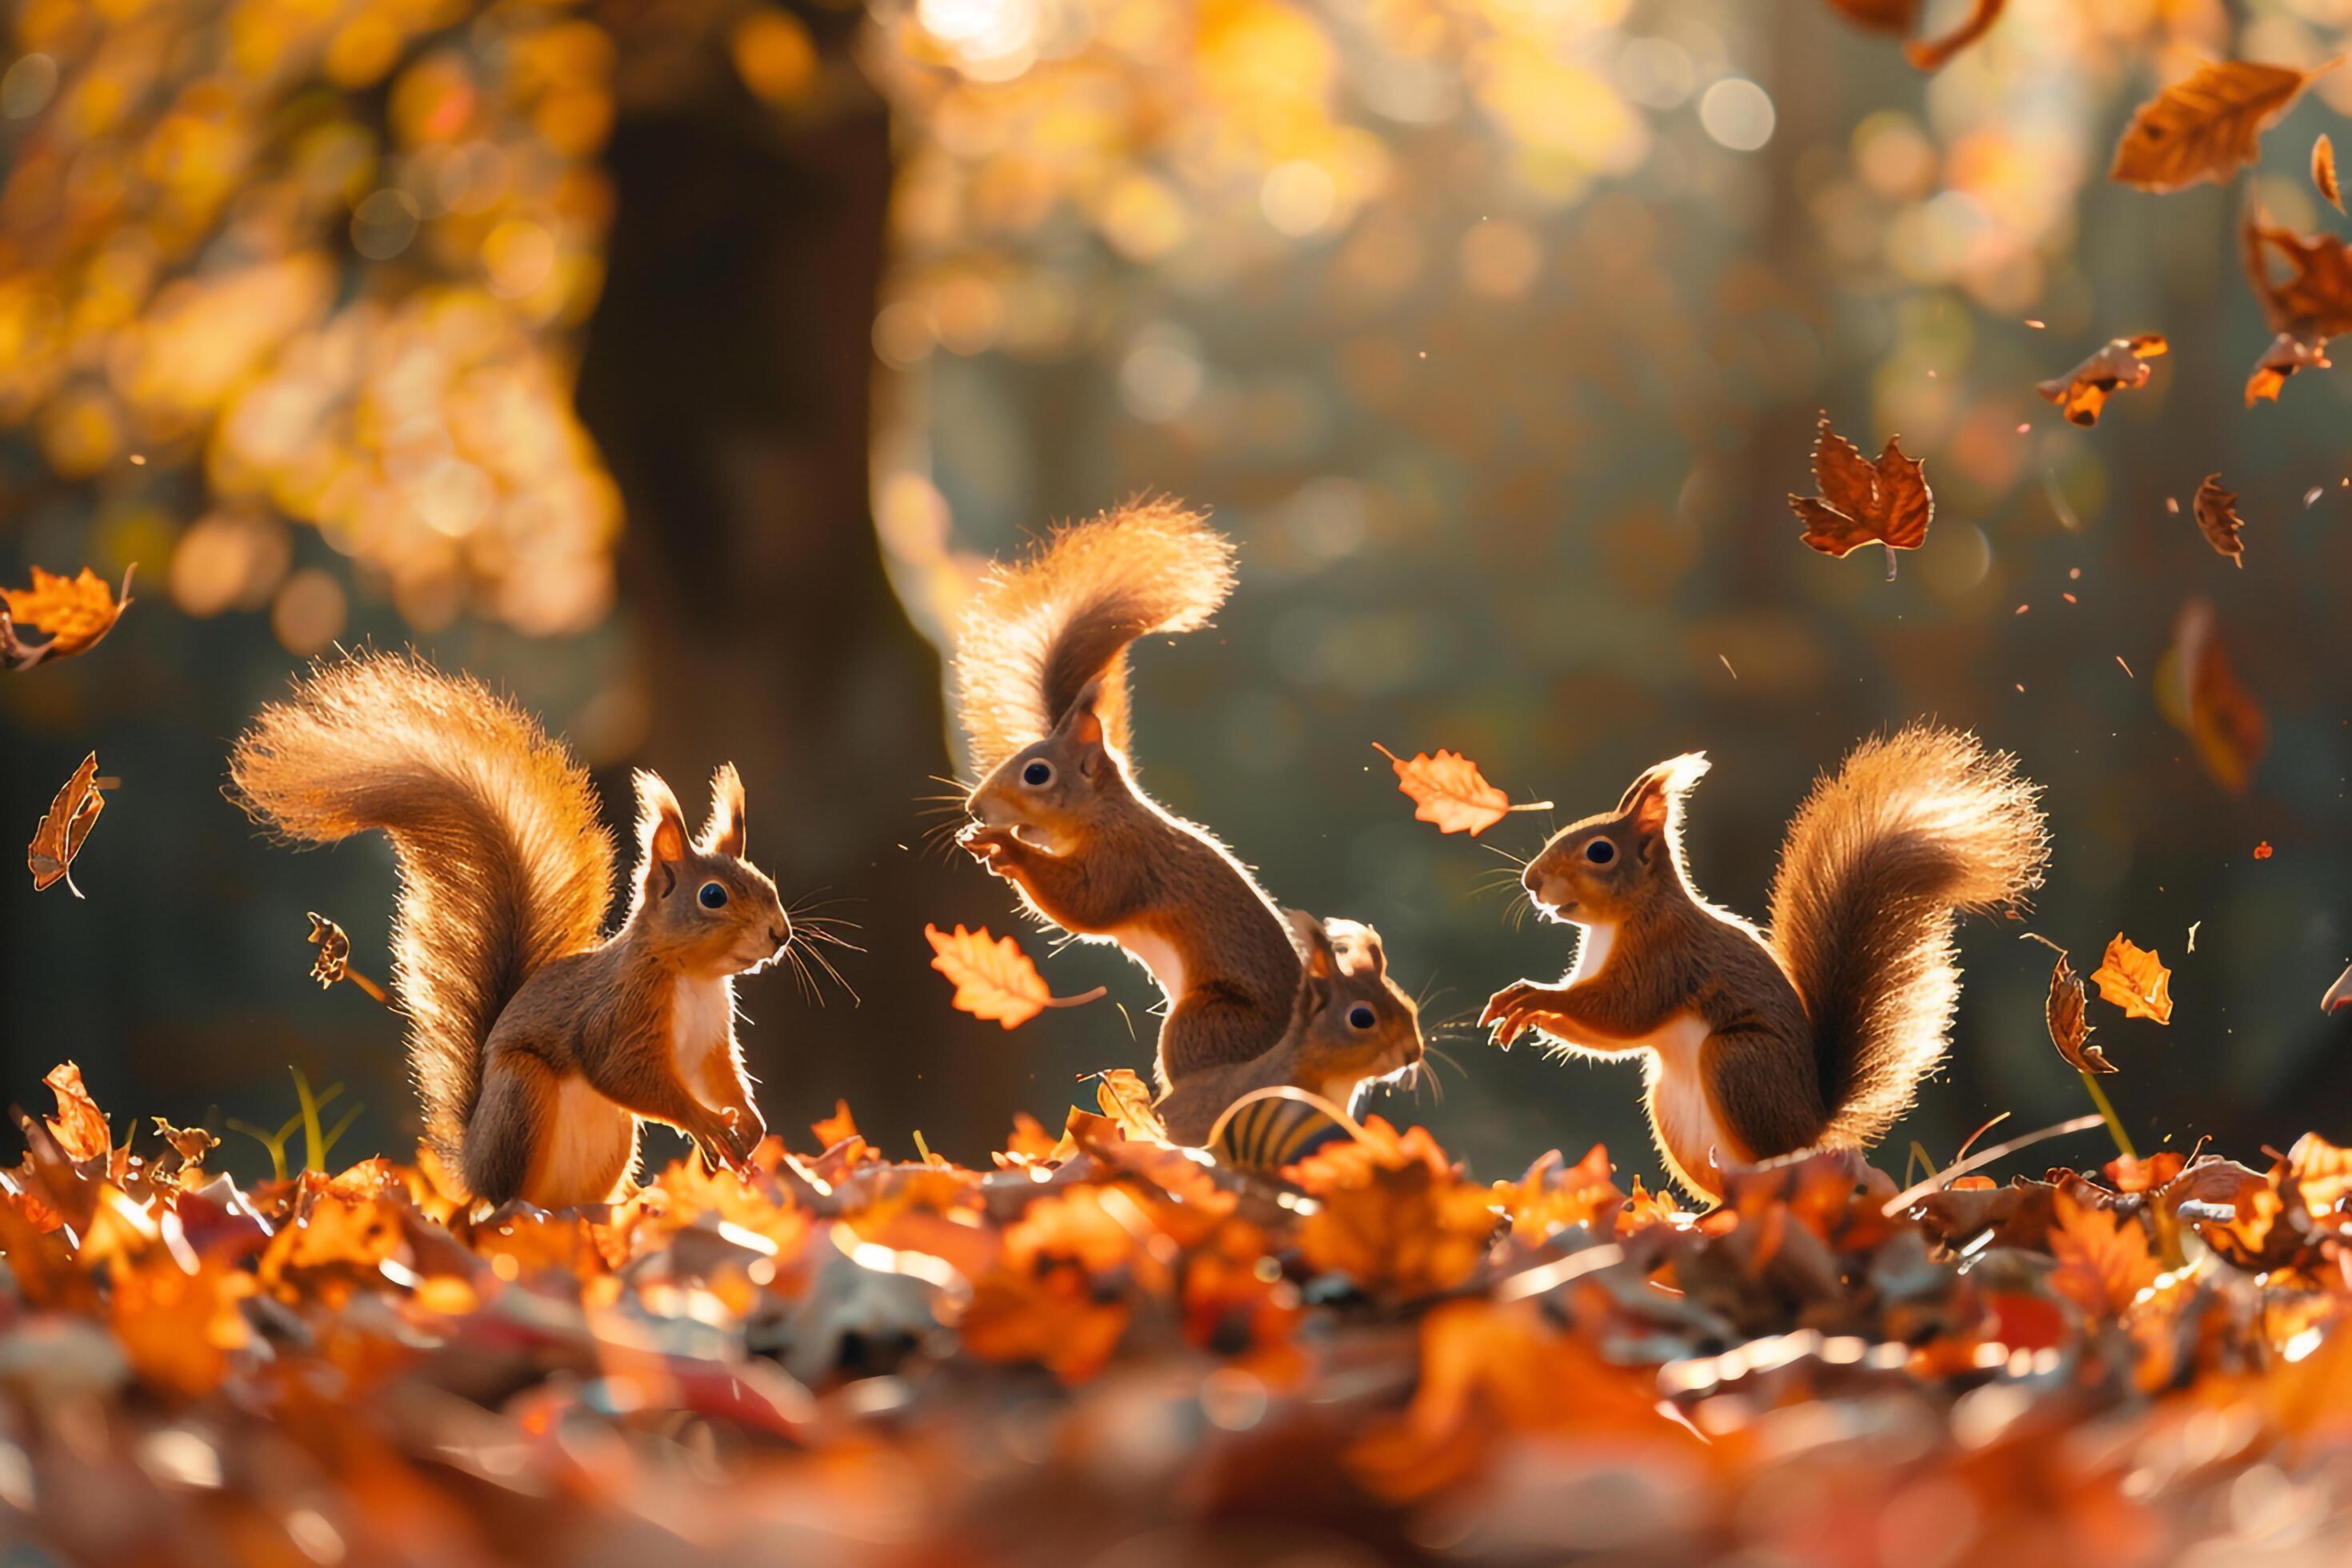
(1358, 947)
(661, 826)
(1082, 721)
(722, 833)
(1319, 958)
(1655, 802)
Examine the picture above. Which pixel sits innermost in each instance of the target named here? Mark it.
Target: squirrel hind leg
(545, 1137)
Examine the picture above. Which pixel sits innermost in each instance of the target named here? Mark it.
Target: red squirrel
(536, 1041)
(1041, 666)
(1820, 1033)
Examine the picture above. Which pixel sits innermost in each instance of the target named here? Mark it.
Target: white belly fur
(700, 1014)
(1157, 955)
(593, 1148)
(1689, 1136)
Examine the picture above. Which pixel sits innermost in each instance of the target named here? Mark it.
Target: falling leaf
(65, 828)
(2312, 304)
(1863, 502)
(1934, 54)
(2200, 695)
(2135, 979)
(2206, 127)
(2288, 353)
(1447, 789)
(2218, 519)
(2262, 850)
(2070, 1028)
(77, 613)
(2120, 364)
(993, 978)
(2322, 171)
(334, 951)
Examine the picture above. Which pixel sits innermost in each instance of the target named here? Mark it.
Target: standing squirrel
(1350, 1023)
(536, 1042)
(1819, 1034)
(1041, 666)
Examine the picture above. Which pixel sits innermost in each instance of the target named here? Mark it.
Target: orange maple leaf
(2208, 127)
(1862, 501)
(77, 613)
(2119, 365)
(1448, 790)
(2104, 1260)
(2135, 979)
(993, 979)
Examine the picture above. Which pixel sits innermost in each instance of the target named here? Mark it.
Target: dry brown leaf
(1126, 1099)
(193, 1144)
(2070, 1028)
(65, 828)
(2218, 520)
(2199, 694)
(1934, 54)
(2322, 171)
(77, 613)
(1864, 503)
(1448, 790)
(2135, 979)
(2119, 365)
(2208, 127)
(993, 978)
(334, 956)
(2287, 354)
(2310, 305)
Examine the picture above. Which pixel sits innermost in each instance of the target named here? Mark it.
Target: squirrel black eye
(1037, 774)
(1361, 1017)
(1600, 852)
(713, 896)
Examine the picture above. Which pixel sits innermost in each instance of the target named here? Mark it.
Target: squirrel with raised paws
(1818, 1033)
(1041, 665)
(1350, 1025)
(537, 1042)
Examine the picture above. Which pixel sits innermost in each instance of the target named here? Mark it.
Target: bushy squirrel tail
(503, 863)
(1036, 633)
(1915, 827)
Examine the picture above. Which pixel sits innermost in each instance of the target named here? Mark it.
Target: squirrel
(1041, 666)
(536, 1042)
(1350, 1025)
(1820, 1033)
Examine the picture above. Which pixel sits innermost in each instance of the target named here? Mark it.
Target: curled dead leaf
(2218, 520)
(2070, 1028)
(2201, 696)
(1447, 790)
(2322, 171)
(77, 612)
(1862, 501)
(2136, 980)
(993, 979)
(65, 828)
(2118, 365)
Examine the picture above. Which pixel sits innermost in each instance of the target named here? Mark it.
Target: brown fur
(497, 960)
(1821, 1034)
(1041, 665)
(1325, 1048)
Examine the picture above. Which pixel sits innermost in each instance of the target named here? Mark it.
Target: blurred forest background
(675, 363)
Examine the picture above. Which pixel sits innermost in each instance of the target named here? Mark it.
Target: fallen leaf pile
(1104, 1340)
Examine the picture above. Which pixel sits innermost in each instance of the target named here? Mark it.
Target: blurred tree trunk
(727, 378)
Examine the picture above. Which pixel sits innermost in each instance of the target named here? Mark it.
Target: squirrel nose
(781, 932)
(1532, 878)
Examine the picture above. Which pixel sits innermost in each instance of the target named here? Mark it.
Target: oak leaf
(2206, 127)
(1864, 503)
(2311, 304)
(2200, 695)
(65, 828)
(1448, 790)
(2218, 520)
(2135, 979)
(993, 979)
(2119, 365)
(2070, 1028)
(77, 613)
(2322, 171)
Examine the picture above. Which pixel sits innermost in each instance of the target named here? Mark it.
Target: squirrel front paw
(985, 844)
(1518, 1007)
